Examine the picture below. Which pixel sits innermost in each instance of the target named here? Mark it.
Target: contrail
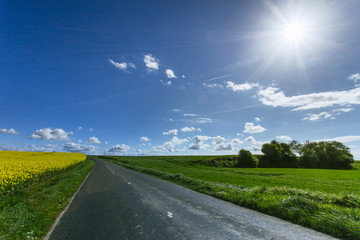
(233, 110)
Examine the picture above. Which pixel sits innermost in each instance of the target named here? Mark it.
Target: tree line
(324, 155)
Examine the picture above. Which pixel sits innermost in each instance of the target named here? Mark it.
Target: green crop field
(325, 200)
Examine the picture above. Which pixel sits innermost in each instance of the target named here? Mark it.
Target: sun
(294, 32)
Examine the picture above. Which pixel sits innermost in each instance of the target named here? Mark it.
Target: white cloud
(106, 142)
(170, 73)
(203, 120)
(190, 129)
(241, 87)
(273, 96)
(284, 138)
(93, 140)
(8, 131)
(121, 66)
(236, 141)
(76, 147)
(324, 115)
(315, 117)
(183, 76)
(213, 85)
(224, 147)
(251, 128)
(151, 62)
(144, 139)
(343, 139)
(172, 131)
(131, 65)
(118, 148)
(168, 83)
(217, 140)
(79, 128)
(199, 143)
(176, 110)
(190, 115)
(355, 77)
(254, 144)
(170, 145)
(91, 129)
(49, 134)
(250, 139)
(257, 119)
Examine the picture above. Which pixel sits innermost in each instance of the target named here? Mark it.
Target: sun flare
(294, 31)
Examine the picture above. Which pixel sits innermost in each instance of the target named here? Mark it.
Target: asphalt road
(117, 203)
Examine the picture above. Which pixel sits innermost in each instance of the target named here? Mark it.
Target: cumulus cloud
(166, 83)
(213, 85)
(199, 143)
(8, 131)
(170, 145)
(190, 115)
(122, 66)
(316, 117)
(251, 128)
(236, 141)
(119, 148)
(254, 144)
(274, 97)
(79, 128)
(171, 132)
(190, 129)
(257, 119)
(327, 115)
(93, 140)
(223, 147)
(151, 62)
(284, 138)
(77, 147)
(144, 139)
(217, 140)
(220, 144)
(170, 73)
(183, 76)
(241, 87)
(355, 77)
(49, 134)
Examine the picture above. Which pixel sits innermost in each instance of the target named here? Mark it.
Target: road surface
(117, 203)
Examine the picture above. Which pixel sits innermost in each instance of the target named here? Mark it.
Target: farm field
(34, 188)
(324, 200)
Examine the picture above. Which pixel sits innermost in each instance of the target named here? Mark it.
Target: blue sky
(177, 77)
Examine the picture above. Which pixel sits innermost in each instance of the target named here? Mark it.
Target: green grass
(324, 200)
(30, 213)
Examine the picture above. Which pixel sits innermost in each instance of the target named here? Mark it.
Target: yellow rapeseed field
(16, 168)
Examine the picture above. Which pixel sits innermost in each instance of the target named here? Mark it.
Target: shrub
(246, 159)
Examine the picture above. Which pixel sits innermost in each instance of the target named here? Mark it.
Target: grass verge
(336, 214)
(29, 213)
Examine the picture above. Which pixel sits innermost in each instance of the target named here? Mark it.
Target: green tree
(332, 155)
(308, 157)
(246, 159)
(272, 155)
(288, 158)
